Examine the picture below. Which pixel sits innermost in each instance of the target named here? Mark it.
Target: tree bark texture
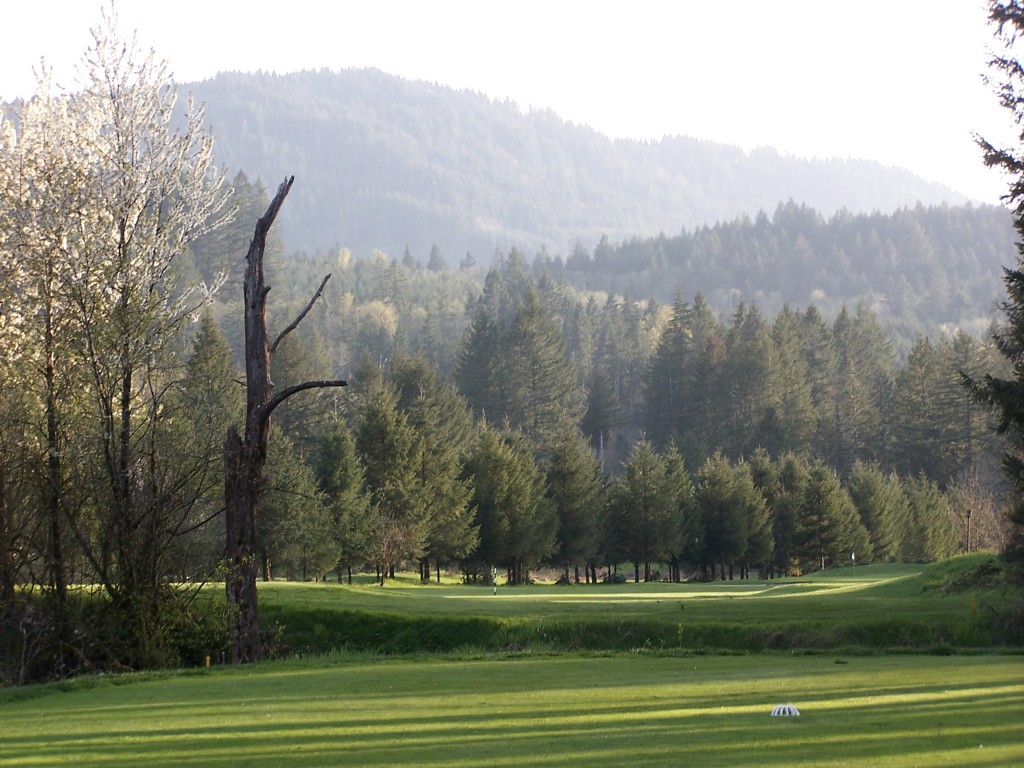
(242, 499)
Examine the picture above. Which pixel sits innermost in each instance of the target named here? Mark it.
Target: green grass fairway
(615, 710)
(873, 607)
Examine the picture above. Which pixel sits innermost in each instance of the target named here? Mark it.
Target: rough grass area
(635, 709)
(942, 608)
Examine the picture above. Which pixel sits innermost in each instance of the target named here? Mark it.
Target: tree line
(747, 470)
(401, 472)
(921, 270)
(523, 346)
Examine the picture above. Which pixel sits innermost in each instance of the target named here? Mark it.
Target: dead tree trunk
(245, 455)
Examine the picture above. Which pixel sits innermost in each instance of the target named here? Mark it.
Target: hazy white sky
(897, 81)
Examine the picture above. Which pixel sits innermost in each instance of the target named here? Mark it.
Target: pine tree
(706, 406)
(517, 523)
(476, 372)
(543, 389)
(442, 424)
(862, 386)
(751, 374)
(665, 380)
(969, 438)
(340, 478)
(921, 419)
(301, 357)
(645, 509)
(882, 506)
(685, 546)
(295, 528)
(788, 509)
(929, 533)
(817, 346)
(604, 413)
(519, 372)
(209, 400)
(436, 261)
(1006, 393)
(760, 548)
(725, 522)
(795, 415)
(829, 529)
(387, 447)
(574, 486)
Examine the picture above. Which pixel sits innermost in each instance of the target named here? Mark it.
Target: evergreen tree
(751, 374)
(619, 353)
(581, 335)
(209, 401)
(765, 473)
(688, 529)
(295, 529)
(861, 388)
(788, 510)
(387, 447)
(575, 488)
(436, 261)
(519, 372)
(829, 529)
(760, 548)
(301, 358)
(921, 420)
(442, 425)
(706, 406)
(215, 254)
(795, 410)
(665, 382)
(517, 523)
(645, 510)
(969, 437)
(817, 347)
(725, 521)
(542, 386)
(604, 413)
(1006, 393)
(882, 506)
(929, 532)
(477, 371)
(340, 478)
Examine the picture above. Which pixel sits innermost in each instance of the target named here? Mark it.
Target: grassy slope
(624, 709)
(638, 708)
(867, 607)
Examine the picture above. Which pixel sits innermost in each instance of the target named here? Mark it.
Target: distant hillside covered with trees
(385, 163)
(922, 271)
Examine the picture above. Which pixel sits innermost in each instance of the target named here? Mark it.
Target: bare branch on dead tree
(294, 323)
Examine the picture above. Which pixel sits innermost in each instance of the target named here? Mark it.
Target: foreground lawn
(616, 710)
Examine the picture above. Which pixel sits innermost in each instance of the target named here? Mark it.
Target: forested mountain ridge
(922, 271)
(386, 163)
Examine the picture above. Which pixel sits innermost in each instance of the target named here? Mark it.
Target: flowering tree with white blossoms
(102, 191)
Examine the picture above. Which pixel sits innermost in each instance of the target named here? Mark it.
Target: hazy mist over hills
(386, 163)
